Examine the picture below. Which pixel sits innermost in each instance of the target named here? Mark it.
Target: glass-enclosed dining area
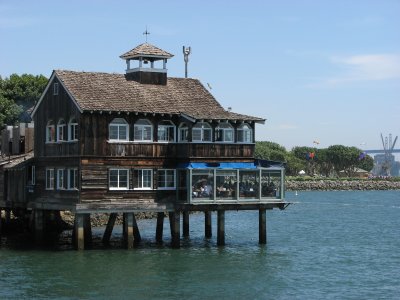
(229, 182)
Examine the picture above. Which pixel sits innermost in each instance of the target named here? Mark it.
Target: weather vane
(146, 33)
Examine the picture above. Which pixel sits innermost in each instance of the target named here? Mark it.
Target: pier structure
(139, 142)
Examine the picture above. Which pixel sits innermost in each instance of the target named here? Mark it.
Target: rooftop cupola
(146, 57)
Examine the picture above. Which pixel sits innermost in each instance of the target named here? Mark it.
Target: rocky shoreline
(101, 219)
(341, 185)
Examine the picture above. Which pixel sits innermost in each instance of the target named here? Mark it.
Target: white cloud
(372, 67)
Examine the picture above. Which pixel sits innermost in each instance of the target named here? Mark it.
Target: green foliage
(9, 111)
(19, 91)
(325, 163)
(25, 89)
(367, 163)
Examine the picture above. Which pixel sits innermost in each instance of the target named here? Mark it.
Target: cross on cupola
(147, 56)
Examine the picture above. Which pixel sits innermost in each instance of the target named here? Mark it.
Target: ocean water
(328, 245)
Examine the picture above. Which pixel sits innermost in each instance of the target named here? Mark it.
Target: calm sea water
(330, 245)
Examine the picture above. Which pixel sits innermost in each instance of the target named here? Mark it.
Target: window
(119, 179)
(118, 130)
(50, 132)
(55, 89)
(143, 179)
(203, 184)
(72, 180)
(31, 175)
(224, 133)
(202, 132)
(245, 134)
(49, 179)
(60, 130)
(72, 130)
(60, 179)
(166, 131)
(166, 179)
(143, 130)
(183, 132)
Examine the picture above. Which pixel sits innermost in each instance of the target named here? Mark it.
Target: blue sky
(316, 70)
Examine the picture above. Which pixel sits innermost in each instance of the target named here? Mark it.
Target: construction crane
(388, 147)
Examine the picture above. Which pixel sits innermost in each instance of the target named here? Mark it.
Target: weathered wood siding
(54, 108)
(95, 183)
(62, 197)
(95, 132)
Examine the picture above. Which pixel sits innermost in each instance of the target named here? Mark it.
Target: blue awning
(224, 165)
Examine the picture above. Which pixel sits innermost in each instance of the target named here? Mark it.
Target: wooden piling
(79, 232)
(87, 231)
(207, 224)
(160, 227)
(136, 232)
(39, 226)
(262, 226)
(175, 232)
(110, 226)
(221, 228)
(128, 230)
(1, 220)
(185, 224)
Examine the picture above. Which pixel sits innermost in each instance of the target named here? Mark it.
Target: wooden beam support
(175, 229)
(207, 224)
(1, 220)
(87, 231)
(160, 227)
(185, 224)
(128, 230)
(79, 237)
(221, 228)
(39, 226)
(136, 232)
(262, 226)
(110, 226)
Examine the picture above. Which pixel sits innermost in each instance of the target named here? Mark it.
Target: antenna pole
(186, 52)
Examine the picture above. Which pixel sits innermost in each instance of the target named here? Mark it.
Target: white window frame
(245, 134)
(49, 179)
(55, 88)
(32, 175)
(183, 133)
(202, 127)
(118, 123)
(165, 127)
(140, 128)
(61, 131)
(74, 173)
(139, 177)
(50, 132)
(72, 130)
(224, 128)
(60, 179)
(165, 172)
(119, 171)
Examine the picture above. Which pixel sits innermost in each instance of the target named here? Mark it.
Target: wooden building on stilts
(144, 142)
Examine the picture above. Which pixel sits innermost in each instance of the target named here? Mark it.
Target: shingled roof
(146, 50)
(93, 91)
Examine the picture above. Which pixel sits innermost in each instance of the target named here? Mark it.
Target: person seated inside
(206, 189)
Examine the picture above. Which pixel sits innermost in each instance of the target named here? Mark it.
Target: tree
(9, 111)
(24, 90)
(343, 158)
(270, 151)
(366, 163)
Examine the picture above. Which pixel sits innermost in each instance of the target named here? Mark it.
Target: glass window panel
(248, 184)
(226, 183)
(202, 184)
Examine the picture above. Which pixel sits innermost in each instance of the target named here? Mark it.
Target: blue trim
(224, 165)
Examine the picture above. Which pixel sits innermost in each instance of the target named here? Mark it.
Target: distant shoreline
(342, 185)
